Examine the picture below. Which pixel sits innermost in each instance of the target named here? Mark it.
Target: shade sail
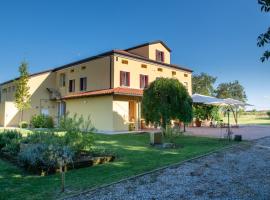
(234, 102)
(199, 98)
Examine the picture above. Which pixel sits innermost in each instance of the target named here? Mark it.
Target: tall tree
(164, 100)
(203, 84)
(22, 95)
(231, 90)
(264, 38)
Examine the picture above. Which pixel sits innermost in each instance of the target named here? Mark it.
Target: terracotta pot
(198, 123)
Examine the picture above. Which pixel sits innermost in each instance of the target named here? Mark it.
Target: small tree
(22, 96)
(268, 113)
(164, 100)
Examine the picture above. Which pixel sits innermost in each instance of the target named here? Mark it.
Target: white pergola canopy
(199, 98)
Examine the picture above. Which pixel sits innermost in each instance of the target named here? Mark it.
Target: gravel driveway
(241, 172)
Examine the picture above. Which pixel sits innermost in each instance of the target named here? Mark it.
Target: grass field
(134, 156)
(250, 119)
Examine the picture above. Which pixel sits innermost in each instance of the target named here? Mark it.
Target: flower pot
(198, 123)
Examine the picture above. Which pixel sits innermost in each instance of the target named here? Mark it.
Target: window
(173, 73)
(186, 84)
(160, 69)
(159, 56)
(83, 84)
(144, 66)
(185, 75)
(143, 81)
(13, 88)
(124, 78)
(83, 67)
(62, 80)
(45, 111)
(71, 85)
(125, 62)
(72, 70)
(9, 89)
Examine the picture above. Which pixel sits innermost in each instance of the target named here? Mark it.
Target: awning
(199, 98)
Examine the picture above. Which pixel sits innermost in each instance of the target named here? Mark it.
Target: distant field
(250, 119)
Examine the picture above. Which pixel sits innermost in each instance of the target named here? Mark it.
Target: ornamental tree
(22, 95)
(164, 100)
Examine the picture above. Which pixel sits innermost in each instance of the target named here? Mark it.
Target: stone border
(155, 170)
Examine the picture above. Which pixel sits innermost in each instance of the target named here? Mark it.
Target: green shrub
(268, 113)
(42, 121)
(10, 142)
(78, 136)
(45, 157)
(23, 124)
(42, 137)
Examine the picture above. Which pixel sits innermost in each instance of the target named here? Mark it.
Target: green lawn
(134, 156)
(251, 119)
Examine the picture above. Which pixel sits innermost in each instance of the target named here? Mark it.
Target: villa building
(107, 87)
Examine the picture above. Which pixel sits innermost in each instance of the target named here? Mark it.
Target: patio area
(251, 132)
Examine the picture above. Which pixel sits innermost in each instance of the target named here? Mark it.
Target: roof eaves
(149, 43)
(153, 61)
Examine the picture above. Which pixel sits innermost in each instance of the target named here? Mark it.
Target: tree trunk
(21, 118)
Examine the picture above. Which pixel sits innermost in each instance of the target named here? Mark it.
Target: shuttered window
(143, 81)
(83, 84)
(124, 78)
(71, 85)
(160, 56)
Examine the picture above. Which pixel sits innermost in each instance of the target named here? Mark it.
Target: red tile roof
(119, 91)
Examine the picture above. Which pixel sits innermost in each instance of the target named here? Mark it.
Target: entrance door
(132, 111)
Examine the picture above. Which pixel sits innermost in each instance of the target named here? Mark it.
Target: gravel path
(242, 172)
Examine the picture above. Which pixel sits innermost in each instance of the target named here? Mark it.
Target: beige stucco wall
(160, 47)
(98, 108)
(135, 69)
(40, 99)
(121, 112)
(12, 115)
(2, 113)
(97, 72)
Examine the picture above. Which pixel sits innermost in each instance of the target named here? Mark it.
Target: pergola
(229, 102)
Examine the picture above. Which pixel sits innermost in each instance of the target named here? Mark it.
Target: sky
(216, 37)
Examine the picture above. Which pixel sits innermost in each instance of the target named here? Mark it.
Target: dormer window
(160, 56)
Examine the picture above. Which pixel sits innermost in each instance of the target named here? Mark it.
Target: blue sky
(216, 37)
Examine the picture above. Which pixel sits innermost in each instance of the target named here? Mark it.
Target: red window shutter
(162, 56)
(146, 81)
(128, 78)
(121, 78)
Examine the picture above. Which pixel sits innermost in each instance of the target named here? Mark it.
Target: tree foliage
(231, 90)
(206, 112)
(203, 84)
(22, 95)
(264, 38)
(166, 99)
